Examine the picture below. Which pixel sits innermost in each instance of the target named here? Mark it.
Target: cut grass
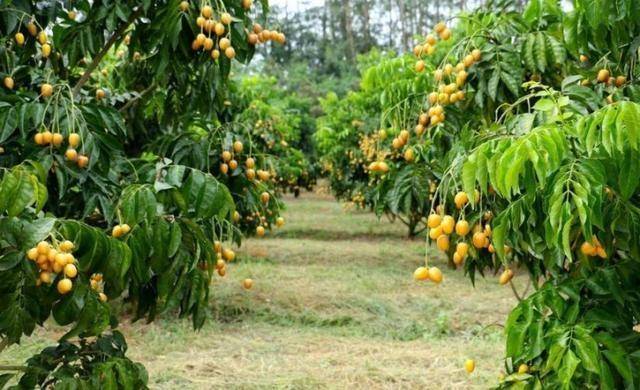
(334, 306)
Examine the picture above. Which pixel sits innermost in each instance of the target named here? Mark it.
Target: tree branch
(13, 368)
(515, 292)
(135, 99)
(98, 58)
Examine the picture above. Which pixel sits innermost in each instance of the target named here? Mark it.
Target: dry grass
(334, 306)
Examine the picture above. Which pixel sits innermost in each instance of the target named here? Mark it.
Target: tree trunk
(347, 28)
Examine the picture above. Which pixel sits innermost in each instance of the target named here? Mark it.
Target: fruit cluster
(215, 30)
(120, 230)
(52, 260)
(47, 138)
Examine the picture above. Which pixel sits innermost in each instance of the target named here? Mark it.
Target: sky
(295, 5)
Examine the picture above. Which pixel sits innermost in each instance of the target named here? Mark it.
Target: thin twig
(135, 99)
(515, 292)
(14, 368)
(98, 58)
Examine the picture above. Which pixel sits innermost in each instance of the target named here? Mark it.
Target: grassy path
(334, 306)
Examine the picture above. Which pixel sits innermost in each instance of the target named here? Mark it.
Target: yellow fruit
(226, 156)
(280, 222)
(247, 284)
(208, 44)
(233, 164)
(103, 297)
(51, 256)
(433, 98)
(33, 30)
(74, 140)
(251, 174)
(443, 243)
(39, 139)
(230, 52)
(225, 18)
(477, 54)
(32, 254)
(117, 231)
(409, 155)
(462, 228)
(57, 139)
(125, 228)
(46, 90)
(42, 37)
(506, 277)
(184, 6)
(601, 252)
(419, 67)
(523, 369)
(45, 277)
(83, 161)
(64, 286)
(462, 249)
(437, 74)
(224, 43)
(207, 11)
(260, 231)
(8, 82)
(264, 197)
(448, 224)
(250, 163)
(66, 246)
(445, 35)
(461, 199)
(434, 220)
(603, 75)
(435, 275)
(457, 258)
(70, 271)
(46, 50)
(43, 248)
(469, 366)
(440, 27)
(435, 232)
(238, 146)
(228, 254)
(71, 154)
(246, 4)
(421, 273)
(217, 246)
(19, 39)
(479, 240)
(492, 249)
(620, 81)
(47, 137)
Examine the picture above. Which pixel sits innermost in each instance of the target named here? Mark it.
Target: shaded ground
(334, 306)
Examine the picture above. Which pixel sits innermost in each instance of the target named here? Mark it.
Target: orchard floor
(334, 306)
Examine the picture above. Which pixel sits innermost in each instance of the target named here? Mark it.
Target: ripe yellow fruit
(64, 286)
(250, 163)
(523, 369)
(280, 222)
(233, 164)
(33, 30)
(620, 81)
(57, 139)
(435, 275)
(19, 37)
(457, 258)
(238, 146)
(260, 231)
(217, 246)
(45, 277)
(226, 156)
(421, 273)
(603, 75)
(247, 284)
(443, 243)
(125, 228)
(71, 154)
(462, 228)
(74, 140)
(230, 52)
(32, 254)
(409, 155)
(184, 6)
(435, 232)
(431, 39)
(117, 231)
(461, 199)
(207, 11)
(47, 137)
(479, 240)
(83, 161)
(506, 277)
(462, 249)
(440, 27)
(434, 220)
(601, 252)
(66, 246)
(419, 67)
(43, 248)
(8, 82)
(42, 37)
(583, 58)
(476, 54)
(264, 197)
(46, 90)
(103, 297)
(70, 271)
(228, 254)
(448, 224)
(438, 74)
(445, 35)
(224, 43)
(469, 366)
(246, 4)
(225, 18)
(251, 174)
